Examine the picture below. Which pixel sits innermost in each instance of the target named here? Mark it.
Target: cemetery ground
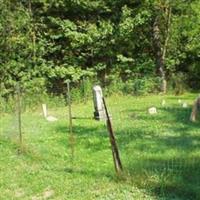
(160, 153)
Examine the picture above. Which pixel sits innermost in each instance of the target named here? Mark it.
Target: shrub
(178, 82)
(141, 86)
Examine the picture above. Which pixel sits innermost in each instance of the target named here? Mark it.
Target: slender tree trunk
(159, 55)
(32, 31)
(168, 14)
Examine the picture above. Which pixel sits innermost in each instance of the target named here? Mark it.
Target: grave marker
(163, 102)
(185, 105)
(152, 110)
(46, 116)
(99, 113)
(44, 109)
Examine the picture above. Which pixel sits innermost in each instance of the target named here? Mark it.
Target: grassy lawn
(160, 153)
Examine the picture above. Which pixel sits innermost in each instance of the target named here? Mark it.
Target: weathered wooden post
(71, 135)
(115, 151)
(99, 113)
(19, 116)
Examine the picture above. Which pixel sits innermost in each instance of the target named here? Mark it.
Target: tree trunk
(168, 14)
(159, 55)
(32, 32)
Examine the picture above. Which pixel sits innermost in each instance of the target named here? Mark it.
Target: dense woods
(150, 45)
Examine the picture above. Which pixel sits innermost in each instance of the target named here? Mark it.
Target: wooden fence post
(71, 135)
(19, 116)
(115, 151)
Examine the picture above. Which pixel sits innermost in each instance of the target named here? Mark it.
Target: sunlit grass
(160, 153)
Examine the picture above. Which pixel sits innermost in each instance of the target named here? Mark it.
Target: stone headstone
(44, 109)
(99, 113)
(185, 105)
(45, 113)
(152, 110)
(163, 102)
(179, 101)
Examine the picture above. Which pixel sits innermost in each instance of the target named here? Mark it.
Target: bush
(141, 86)
(115, 87)
(178, 83)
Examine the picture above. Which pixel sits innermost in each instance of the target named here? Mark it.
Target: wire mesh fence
(162, 144)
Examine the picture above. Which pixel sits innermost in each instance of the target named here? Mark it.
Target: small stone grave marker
(163, 102)
(185, 105)
(46, 116)
(152, 110)
(44, 109)
(99, 113)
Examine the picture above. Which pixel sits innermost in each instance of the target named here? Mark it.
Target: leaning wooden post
(19, 116)
(195, 110)
(115, 151)
(71, 136)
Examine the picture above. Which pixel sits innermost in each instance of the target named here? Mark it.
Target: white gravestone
(44, 109)
(185, 105)
(152, 110)
(163, 102)
(99, 113)
(45, 113)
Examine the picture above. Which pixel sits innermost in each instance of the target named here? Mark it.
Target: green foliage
(179, 83)
(141, 86)
(55, 41)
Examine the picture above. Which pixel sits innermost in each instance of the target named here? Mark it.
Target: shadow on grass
(175, 178)
(90, 138)
(181, 115)
(173, 175)
(183, 97)
(14, 148)
(77, 171)
(176, 175)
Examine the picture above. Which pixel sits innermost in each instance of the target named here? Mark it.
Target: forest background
(129, 46)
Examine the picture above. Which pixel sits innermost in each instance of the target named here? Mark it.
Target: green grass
(160, 153)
